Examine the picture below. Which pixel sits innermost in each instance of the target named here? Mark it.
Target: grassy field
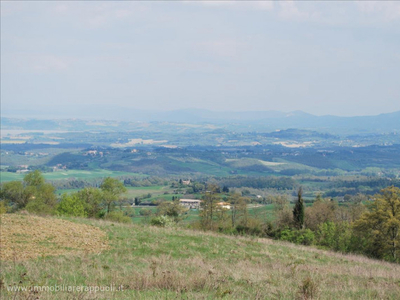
(157, 192)
(264, 212)
(77, 174)
(145, 262)
(133, 192)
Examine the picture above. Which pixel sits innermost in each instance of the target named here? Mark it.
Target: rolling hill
(145, 262)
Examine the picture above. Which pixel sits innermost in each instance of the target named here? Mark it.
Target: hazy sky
(327, 57)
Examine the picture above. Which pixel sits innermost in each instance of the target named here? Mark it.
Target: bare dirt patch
(25, 237)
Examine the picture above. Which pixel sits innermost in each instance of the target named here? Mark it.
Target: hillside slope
(170, 263)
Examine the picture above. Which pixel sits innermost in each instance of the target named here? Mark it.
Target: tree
(92, 199)
(171, 209)
(298, 210)
(209, 207)
(283, 213)
(198, 187)
(146, 213)
(112, 189)
(3, 207)
(281, 202)
(71, 205)
(46, 193)
(380, 226)
(320, 212)
(14, 193)
(34, 178)
(137, 201)
(336, 236)
(37, 195)
(238, 208)
(225, 189)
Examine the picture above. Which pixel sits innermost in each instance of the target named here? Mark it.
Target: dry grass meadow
(145, 262)
(26, 237)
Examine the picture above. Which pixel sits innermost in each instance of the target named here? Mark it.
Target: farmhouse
(190, 203)
(224, 205)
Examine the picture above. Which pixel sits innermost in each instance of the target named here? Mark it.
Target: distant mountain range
(264, 119)
(295, 119)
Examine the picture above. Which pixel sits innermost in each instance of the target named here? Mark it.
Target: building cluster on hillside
(195, 204)
(36, 154)
(190, 203)
(59, 167)
(94, 153)
(22, 169)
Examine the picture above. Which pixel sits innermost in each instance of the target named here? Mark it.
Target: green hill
(172, 263)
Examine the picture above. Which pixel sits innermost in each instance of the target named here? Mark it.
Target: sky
(327, 57)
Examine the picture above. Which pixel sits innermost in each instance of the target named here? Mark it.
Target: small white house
(190, 203)
(224, 205)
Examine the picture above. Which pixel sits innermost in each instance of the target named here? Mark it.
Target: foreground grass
(157, 263)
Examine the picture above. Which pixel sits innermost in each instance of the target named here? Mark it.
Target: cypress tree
(298, 210)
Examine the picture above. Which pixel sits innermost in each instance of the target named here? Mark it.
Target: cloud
(253, 5)
(95, 15)
(385, 10)
(146, 50)
(9, 8)
(290, 11)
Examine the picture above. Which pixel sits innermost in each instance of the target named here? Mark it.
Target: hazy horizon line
(31, 114)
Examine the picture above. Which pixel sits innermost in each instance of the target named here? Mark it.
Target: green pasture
(205, 168)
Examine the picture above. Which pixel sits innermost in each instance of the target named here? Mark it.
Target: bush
(3, 207)
(303, 236)
(335, 236)
(227, 230)
(118, 216)
(286, 235)
(39, 207)
(130, 212)
(268, 230)
(162, 221)
(145, 212)
(308, 289)
(101, 214)
(250, 226)
(306, 237)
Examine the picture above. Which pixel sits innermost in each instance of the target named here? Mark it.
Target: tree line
(36, 196)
